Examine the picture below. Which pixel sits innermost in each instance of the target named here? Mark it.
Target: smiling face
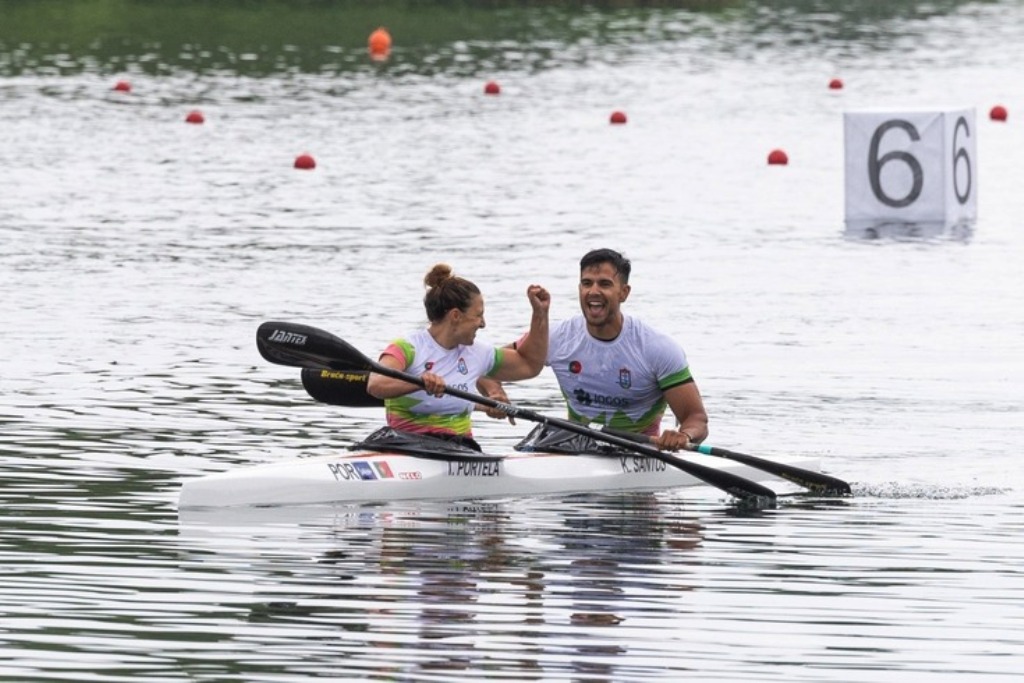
(466, 323)
(601, 295)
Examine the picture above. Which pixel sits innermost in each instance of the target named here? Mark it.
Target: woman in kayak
(447, 353)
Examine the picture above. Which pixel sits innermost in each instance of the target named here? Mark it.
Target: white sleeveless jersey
(618, 383)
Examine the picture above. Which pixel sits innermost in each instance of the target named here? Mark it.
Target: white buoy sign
(913, 167)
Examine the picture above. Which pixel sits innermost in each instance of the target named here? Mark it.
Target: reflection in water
(903, 231)
(458, 585)
(470, 580)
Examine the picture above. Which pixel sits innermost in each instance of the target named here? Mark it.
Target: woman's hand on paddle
(433, 384)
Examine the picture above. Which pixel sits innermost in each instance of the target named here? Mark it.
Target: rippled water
(140, 253)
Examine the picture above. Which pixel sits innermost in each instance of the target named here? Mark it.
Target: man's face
(601, 294)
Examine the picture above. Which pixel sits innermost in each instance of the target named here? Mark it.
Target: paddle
(305, 346)
(340, 388)
(809, 479)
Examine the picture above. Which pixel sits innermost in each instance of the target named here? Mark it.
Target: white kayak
(382, 476)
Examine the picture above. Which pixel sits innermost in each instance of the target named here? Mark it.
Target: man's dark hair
(619, 262)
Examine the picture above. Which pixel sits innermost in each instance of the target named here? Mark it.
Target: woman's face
(467, 322)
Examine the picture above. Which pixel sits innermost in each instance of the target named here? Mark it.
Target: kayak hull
(383, 476)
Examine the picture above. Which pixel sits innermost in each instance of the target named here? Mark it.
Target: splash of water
(895, 489)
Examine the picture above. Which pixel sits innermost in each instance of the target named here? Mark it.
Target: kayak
(559, 456)
(381, 476)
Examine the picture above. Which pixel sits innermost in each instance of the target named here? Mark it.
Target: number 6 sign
(910, 167)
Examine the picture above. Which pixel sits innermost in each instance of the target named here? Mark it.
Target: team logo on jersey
(575, 367)
(429, 365)
(583, 397)
(462, 366)
(625, 378)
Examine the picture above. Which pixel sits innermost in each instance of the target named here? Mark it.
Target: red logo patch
(575, 367)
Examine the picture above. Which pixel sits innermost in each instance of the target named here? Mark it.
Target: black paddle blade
(339, 387)
(816, 482)
(304, 346)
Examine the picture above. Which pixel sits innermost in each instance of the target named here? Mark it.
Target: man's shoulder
(650, 337)
(566, 336)
(569, 326)
(640, 327)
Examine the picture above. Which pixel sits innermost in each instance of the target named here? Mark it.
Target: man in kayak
(447, 353)
(616, 371)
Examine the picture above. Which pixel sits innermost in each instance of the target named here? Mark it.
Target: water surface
(139, 254)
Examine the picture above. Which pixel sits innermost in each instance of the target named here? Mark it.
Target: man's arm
(688, 407)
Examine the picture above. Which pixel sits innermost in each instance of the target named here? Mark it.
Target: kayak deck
(384, 476)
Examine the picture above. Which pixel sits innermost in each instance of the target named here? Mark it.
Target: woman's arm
(381, 386)
(527, 359)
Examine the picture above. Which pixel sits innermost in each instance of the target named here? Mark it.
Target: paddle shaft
(305, 346)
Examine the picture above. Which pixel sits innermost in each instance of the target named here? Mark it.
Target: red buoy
(379, 44)
(618, 117)
(998, 113)
(777, 157)
(194, 116)
(305, 161)
(492, 88)
(123, 86)
(835, 84)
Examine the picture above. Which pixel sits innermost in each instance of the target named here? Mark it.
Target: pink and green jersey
(461, 367)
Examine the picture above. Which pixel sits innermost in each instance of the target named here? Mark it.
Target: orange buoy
(380, 44)
(777, 157)
(835, 84)
(998, 113)
(618, 117)
(123, 86)
(492, 88)
(305, 161)
(194, 116)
